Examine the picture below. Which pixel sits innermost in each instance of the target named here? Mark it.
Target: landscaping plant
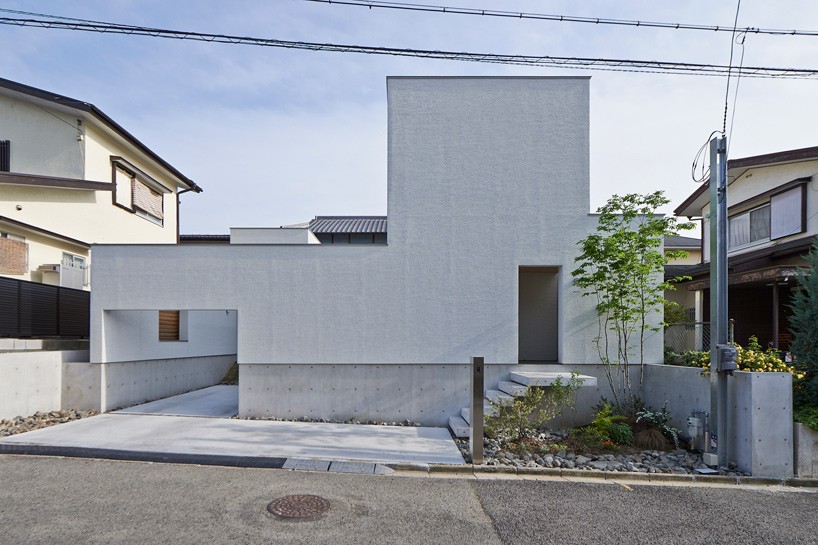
(539, 404)
(661, 421)
(804, 328)
(622, 266)
(753, 358)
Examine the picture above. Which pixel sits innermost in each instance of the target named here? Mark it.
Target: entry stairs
(507, 390)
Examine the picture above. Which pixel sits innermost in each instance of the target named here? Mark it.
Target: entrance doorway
(537, 329)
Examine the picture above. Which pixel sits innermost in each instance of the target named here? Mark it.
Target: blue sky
(277, 136)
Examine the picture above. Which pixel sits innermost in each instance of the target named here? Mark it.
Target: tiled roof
(348, 224)
(682, 242)
(204, 238)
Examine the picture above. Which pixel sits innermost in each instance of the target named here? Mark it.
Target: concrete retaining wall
(130, 383)
(423, 393)
(762, 442)
(805, 441)
(31, 381)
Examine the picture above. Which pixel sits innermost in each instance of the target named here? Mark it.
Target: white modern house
(488, 194)
(70, 176)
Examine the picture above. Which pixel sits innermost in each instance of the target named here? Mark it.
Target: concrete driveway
(203, 434)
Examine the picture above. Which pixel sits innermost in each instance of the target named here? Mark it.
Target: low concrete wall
(805, 442)
(81, 386)
(31, 381)
(427, 394)
(130, 383)
(762, 412)
(685, 389)
(761, 404)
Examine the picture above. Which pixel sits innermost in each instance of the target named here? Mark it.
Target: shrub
(804, 327)
(807, 416)
(621, 434)
(660, 420)
(753, 358)
(537, 406)
(651, 438)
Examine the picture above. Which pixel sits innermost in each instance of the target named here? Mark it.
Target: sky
(277, 136)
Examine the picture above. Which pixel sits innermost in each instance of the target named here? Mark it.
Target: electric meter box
(727, 357)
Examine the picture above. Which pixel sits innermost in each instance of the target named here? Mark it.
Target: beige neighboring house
(773, 221)
(680, 267)
(70, 176)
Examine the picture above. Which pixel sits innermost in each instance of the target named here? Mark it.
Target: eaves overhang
(102, 118)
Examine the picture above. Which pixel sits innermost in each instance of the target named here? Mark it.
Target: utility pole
(722, 356)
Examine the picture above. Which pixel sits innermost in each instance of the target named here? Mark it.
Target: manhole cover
(302, 507)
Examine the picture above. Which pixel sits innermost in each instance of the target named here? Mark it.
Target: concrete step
(465, 412)
(542, 378)
(459, 427)
(498, 397)
(512, 388)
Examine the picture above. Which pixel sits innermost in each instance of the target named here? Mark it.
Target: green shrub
(807, 416)
(753, 358)
(621, 434)
(537, 406)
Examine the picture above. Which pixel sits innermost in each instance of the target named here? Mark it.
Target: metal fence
(688, 336)
(33, 310)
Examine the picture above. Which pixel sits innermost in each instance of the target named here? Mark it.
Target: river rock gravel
(22, 424)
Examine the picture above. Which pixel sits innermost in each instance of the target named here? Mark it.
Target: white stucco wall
(276, 235)
(485, 175)
(42, 250)
(134, 335)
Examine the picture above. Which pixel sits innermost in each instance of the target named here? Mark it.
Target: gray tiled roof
(348, 224)
(682, 242)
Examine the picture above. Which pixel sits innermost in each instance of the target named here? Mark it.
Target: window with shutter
(148, 202)
(787, 213)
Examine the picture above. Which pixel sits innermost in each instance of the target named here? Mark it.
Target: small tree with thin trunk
(622, 265)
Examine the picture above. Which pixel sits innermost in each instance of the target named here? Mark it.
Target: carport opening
(538, 300)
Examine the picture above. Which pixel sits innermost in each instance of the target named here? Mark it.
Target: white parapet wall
(31, 381)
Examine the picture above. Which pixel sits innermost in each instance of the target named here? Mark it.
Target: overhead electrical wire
(563, 18)
(630, 65)
(730, 70)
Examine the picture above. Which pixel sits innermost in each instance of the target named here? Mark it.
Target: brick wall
(13, 256)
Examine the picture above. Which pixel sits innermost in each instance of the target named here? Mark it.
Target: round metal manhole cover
(302, 507)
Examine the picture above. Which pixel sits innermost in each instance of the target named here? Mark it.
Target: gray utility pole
(722, 357)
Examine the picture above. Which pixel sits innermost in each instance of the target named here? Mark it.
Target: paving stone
(352, 467)
(306, 464)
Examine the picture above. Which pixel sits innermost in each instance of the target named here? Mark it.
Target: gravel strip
(680, 462)
(22, 424)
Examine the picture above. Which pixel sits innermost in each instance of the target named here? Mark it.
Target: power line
(563, 18)
(628, 65)
(730, 70)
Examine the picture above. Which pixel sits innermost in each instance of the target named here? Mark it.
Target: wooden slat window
(168, 325)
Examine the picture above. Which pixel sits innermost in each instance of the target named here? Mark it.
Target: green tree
(804, 328)
(622, 265)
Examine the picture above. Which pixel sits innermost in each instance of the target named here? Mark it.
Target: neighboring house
(680, 267)
(70, 177)
(488, 194)
(327, 230)
(772, 209)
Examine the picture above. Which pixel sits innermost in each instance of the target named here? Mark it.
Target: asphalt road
(67, 501)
